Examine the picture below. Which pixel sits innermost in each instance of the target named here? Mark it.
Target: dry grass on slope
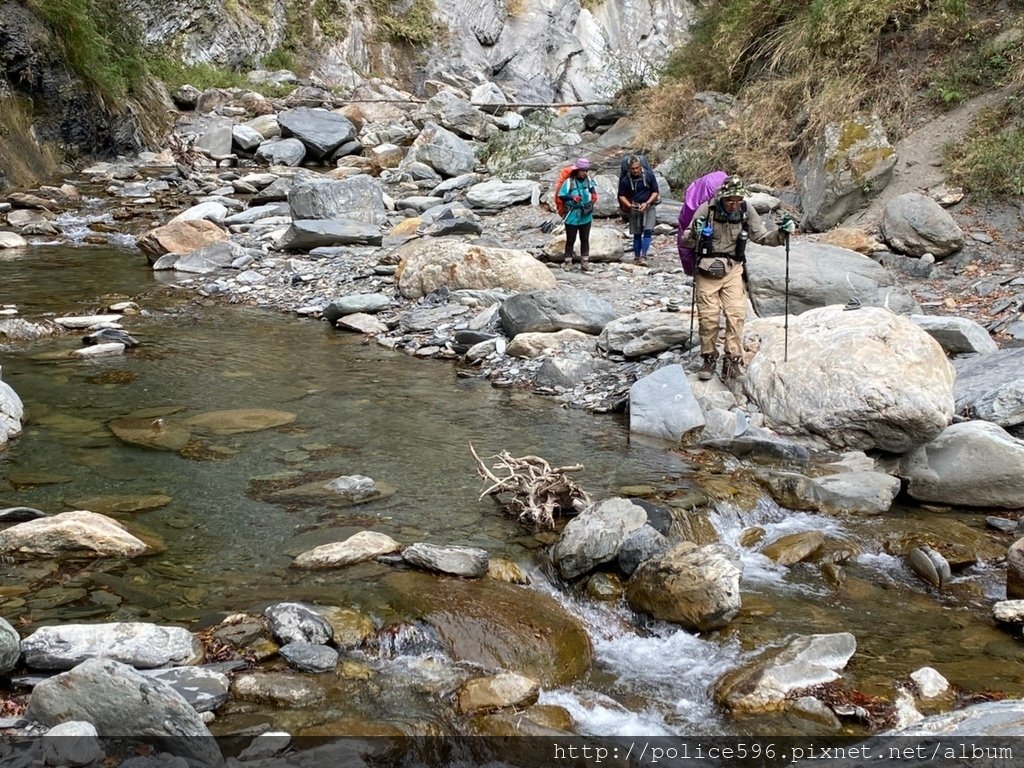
(25, 161)
(797, 65)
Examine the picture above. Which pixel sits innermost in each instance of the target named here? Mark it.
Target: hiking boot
(585, 265)
(567, 265)
(641, 261)
(707, 371)
(732, 367)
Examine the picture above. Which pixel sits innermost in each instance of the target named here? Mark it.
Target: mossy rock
(496, 625)
(238, 420)
(538, 720)
(111, 503)
(958, 542)
(156, 434)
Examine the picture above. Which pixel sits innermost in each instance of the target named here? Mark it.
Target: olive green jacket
(723, 241)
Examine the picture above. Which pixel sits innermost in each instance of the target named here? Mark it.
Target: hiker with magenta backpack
(719, 234)
(638, 194)
(697, 193)
(579, 195)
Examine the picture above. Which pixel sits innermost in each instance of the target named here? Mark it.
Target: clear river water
(362, 409)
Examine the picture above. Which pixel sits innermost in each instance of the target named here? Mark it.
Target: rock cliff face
(58, 108)
(42, 103)
(538, 50)
(218, 32)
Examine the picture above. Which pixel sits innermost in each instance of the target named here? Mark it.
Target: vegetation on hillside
(105, 49)
(991, 158)
(796, 65)
(22, 159)
(99, 42)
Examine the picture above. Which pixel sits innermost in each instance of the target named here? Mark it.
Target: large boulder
(971, 464)
(559, 342)
(122, 703)
(595, 536)
(764, 684)
(662, 405)
(206, 260)
(357, 198)
(289, 152)
(298, 623)
(647, 333)
(957, 335)
(863, 491)
(11, 411)
(820, 275)
(1015, 570)
(459, 115)
(853, 380)
(915, 224)
(992, 718)
(495, 625)
(851, 161)
(606, 245)
(141, 645)
(553, 310)
(307, 234)
(79, 533)
(10, 647)
(180, 237)
(442, 150)
(696, 587)
(12, 240)
(991, 387)
(429, 264)
(361, 546)
(321, 132)
(497, 193)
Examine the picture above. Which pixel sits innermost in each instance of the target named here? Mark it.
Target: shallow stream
(361, 409)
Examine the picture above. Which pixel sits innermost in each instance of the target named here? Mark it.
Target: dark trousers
(570, 240)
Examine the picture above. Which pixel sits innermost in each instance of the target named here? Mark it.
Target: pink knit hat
(582, 164)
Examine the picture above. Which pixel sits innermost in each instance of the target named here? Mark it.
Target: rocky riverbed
(404, 238)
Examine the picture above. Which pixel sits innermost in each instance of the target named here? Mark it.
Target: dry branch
(531, 489)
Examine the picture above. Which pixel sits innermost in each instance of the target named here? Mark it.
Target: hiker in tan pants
(719, 234)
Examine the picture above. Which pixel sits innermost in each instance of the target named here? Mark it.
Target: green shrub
(176, 73)
(958, 78)
(279, 58)
(989, 160)
(414, 25)
(24, 160)
(99, 41)
(505, 152)
(797, 65)
(329, 15)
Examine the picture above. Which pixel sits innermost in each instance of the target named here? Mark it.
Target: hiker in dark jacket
(721, 260)
(638, 193)
(579, 194)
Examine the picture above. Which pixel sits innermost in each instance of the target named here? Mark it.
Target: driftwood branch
(530, 489)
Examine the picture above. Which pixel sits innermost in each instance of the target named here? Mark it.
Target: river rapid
(362, 409)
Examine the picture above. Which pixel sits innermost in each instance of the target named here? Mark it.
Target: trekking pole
(785, 322)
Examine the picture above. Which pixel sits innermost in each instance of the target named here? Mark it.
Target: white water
(75, 226)
(657, 662)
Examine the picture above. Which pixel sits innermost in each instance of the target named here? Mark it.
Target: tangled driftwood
(538, 490)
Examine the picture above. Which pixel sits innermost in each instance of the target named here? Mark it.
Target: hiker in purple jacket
(699, 192)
